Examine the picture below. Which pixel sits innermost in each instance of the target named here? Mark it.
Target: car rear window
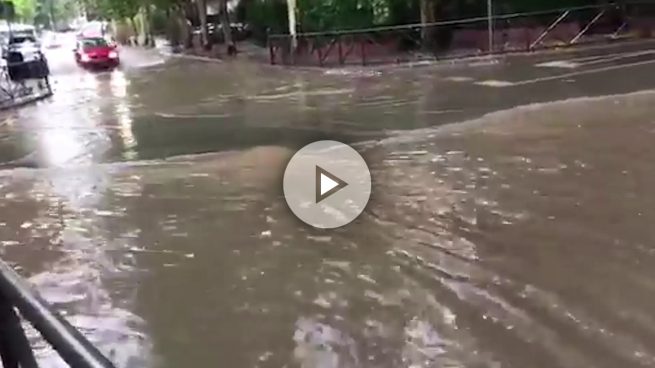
(94, 42)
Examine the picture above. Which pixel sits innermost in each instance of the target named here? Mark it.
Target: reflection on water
(516, 240)
(63, 242)
(87, 120)
(123, 114)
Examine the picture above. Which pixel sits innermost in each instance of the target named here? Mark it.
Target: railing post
(620, 29)
(586, 28)
(271, 52)
(490, 26)
(69, 343)
(341, 59)
(319, 52)
(15, 350)
(550, 28)
(625, 21)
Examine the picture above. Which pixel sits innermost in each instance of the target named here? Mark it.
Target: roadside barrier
(494, 34)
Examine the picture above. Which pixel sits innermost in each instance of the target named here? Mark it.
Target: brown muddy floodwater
(523, 238)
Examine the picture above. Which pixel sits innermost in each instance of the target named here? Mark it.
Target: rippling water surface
(519, 239)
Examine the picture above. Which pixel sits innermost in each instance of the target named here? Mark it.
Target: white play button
(327, 184)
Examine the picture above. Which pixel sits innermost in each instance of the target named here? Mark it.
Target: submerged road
(145, 204)
(155, 107)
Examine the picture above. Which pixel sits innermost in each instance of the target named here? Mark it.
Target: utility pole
(291, 7)
(51, 15)
(490, 25)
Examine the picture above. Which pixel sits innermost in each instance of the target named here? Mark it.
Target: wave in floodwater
(533, 225)
(520, 239)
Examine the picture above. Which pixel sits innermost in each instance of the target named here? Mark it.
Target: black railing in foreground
(519, 32)
(16, 299)
(23, 81)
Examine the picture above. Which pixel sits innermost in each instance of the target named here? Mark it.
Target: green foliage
(320, 15)
(325, 15)
(316, 15)
(7, 10)
(119, 9)
(265, 15)
(111, 9)
(25, 10)
(59, 12)
(159, 21)
(537, 5)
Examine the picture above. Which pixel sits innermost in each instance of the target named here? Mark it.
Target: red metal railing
(518, 32)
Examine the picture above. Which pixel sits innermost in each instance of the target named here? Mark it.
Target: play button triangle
(327, 184)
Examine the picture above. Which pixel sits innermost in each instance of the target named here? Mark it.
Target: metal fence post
(319, 51)
(490, 25)
(587, 27)
(69, 343)
(271, 51)
(341, 59)
(15, 350)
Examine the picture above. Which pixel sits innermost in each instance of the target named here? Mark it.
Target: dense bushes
(323, 15)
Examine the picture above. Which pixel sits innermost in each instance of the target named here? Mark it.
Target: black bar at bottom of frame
(71, 345)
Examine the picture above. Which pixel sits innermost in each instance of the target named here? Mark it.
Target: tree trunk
(227, 29)
(183, 14)
(204, 31)
(135, 32)
(292, 9)
(150, 40)
(51, 16)
(428, 15)
(173, 29)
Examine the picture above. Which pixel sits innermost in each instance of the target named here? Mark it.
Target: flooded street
(510, 223)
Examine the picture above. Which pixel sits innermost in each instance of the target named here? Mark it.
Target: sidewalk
(140, 57)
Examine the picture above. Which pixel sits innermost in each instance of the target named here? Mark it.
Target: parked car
(21, 53)
(28, 48)
(96, 52)
(20, 39)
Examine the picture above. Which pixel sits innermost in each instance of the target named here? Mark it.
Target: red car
(96, 51)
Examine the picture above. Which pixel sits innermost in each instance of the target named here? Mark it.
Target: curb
(24, 101)
(191, 57)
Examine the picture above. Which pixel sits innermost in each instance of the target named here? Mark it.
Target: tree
(428, 15)
(226, 27)
(177, 13)
(204, 30)
(293, 11)
(55, 13)
(119, 10)
(147, 15)
(25, 10)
